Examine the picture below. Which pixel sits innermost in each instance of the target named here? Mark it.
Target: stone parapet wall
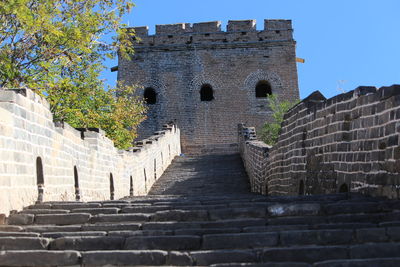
(346, 143)
(27, 132)
(210, 33)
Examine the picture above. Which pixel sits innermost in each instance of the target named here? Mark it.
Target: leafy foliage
(270, 130)
(57, 48)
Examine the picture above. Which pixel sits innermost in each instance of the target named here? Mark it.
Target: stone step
(381, 262)
(20, 243)
(39, 258)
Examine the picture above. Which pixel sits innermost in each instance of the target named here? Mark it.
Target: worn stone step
(11, 228)
(239, 240)
(381, 262)
(180, 215)
(136, 217)
(43, 211)
(264, 264)
(75, 205)
(128, 258)
(183, 242)
(208, 257)
(52, 228)
(62, 219)
(111, 226)
(360, 207)
(19, 234)
(126, 233)
(39, 258)
(77, 233)
(85, 243)
(96, 211)
(21, 243)
(308, 254)
(200, 231)
(236, 213)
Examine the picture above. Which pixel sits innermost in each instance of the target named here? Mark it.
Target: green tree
(270, 130)
(57, 47)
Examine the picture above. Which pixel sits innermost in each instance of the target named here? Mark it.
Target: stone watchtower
(208, 80)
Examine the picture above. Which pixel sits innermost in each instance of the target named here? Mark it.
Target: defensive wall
(208, 80)
(54, 162)
(349, 142)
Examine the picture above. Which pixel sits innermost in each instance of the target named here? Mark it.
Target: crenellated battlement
(211, 32)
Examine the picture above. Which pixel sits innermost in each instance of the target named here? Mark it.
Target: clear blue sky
(346, 43)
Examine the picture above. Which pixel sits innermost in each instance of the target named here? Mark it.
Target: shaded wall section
(348, 142)
(69, 158)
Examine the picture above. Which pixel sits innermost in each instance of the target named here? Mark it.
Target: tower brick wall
(180, 58)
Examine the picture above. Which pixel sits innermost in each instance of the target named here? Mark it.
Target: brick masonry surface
(27, 132)
(348, 142)
(180, 58)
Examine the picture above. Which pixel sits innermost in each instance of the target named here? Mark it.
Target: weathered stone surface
(53, 228)
(10, 228)
(39, 258)
(316, 237)
(223, 256)
(140, 233)
(180, 215)
(95, 211)
(132, 258)
(206, 231)
(250, 212)
(87, 243)
(70, 234)
(163, 242)
(382, 262)
(62, 219)
(120, 218)
(21, 243)
(371, 235)
(17, 234)
(241, 240)
(170, 225)
(21, 219)
(304, 254)
(179, 259)
(111, 227)
(43, 211)
(375, 250)
(294, 209)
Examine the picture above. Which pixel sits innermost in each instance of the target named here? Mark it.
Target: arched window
(150, 96)
(343, 188)
(111, 187)
(76, 183)
(39, 179)
(301, 188)
(206, 93)
(263, 89)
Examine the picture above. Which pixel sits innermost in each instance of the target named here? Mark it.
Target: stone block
(21, 219)
(23, 243)
(111, 227)
(131, 258)
(180, 215)
(163, 242)
(239, 240)
(205, 258)
(120, 218)
(304, 254)
(294, 209)
(39, 258)
(375, 250)
(371, 235)
(87, 243)
(241, 25)
(316, 237)
(177, 258)
(62, 219)
(204, 27)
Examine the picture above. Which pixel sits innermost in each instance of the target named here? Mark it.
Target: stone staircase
(193, 224)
